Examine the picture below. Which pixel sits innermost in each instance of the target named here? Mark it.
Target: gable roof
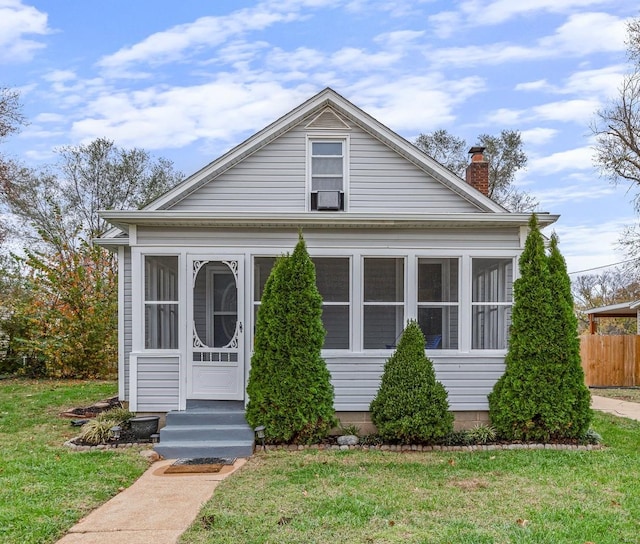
(325, 109)
(314, 110)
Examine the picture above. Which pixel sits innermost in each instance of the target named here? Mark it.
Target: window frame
(255, 304)
(506, 304)
(398, 304)
(148, 303)
(442, 304)
(344, 140)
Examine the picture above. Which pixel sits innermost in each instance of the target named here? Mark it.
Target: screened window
(438, 304)
(161, 302)
(327, 175)
(333, 282)
(383, 305)
(492, 296)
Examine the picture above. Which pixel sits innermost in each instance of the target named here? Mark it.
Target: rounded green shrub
(411, 406)
(289, 387)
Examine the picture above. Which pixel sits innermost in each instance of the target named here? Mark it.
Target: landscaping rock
(150, 455)
(348, 440)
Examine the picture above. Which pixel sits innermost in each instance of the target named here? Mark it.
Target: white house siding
(125, 269)
(467, 375)
(381, 180)
(274, 178)
(468, 379)
(158, 380)
(283, 240)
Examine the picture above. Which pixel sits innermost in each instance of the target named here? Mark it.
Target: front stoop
(206, 429)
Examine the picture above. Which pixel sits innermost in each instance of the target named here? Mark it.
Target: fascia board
(122, 219)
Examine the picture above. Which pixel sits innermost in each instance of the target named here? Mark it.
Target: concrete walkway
(156, 509)
(622, 408)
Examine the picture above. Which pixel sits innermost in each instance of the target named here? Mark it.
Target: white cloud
(582, 34)
(587, 246)
(570, 160)
(183, 40)
(433, 99)
(586, 33)
(157, 118)
(479, 12)
(16, 22)
(538, 85)
(577, 111)
(538, 136)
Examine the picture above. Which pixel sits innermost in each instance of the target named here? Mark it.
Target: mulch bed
(93, 410)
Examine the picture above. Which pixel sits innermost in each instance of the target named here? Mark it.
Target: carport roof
(624, 309)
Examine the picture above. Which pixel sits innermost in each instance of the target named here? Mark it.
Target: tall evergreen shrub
(289, 386)
(540, 397)
(573, 409)
(411, 405)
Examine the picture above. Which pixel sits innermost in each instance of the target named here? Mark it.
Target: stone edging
(103, 447)
(384, 447)
(408, 448)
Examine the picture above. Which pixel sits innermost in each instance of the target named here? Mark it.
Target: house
(393, 234)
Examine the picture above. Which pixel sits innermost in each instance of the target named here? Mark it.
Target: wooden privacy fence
(611, 360)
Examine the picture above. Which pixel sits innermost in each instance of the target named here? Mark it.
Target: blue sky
(188, 80)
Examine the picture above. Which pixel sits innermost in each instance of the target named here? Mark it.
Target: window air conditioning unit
(328, 200)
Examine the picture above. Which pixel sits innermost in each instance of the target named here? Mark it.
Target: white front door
(215, 364)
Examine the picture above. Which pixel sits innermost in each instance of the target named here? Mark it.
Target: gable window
(160, 302)
(492, 297)
(383, 303)
(438, 302)
(327, 172)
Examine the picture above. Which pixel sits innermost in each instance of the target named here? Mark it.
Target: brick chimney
(477, 174)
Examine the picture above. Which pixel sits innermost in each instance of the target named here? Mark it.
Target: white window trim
(329, 137)
(404, 304)
(255, 304)
(138, 306)
(434, 304)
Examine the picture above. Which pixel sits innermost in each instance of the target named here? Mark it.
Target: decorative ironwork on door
(216, 328)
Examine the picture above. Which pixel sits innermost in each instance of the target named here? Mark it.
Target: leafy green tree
(411, 405)
(65, 322)
(289, 387)
(529, 402)
(62, 316)
(504, 154)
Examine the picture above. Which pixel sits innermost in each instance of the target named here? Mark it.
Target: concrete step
(206, 417)
(206, 432)
(193, 449)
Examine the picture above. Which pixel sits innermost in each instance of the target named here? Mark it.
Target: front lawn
(44, 487)
(518, 496)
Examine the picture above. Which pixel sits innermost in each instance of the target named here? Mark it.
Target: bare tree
(59, 206)
(617, 126)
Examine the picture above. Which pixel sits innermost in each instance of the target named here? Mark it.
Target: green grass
(631, 394)
(44, 487)
(517, 496)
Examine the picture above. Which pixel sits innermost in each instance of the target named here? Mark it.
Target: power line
(600, 267)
